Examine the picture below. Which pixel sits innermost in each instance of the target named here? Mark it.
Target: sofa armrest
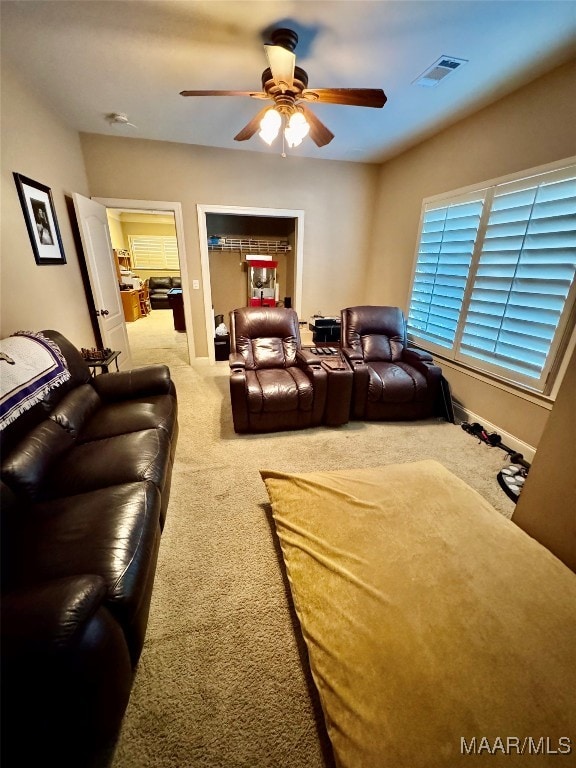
(66, 671)
(138, 382)
(47, 617)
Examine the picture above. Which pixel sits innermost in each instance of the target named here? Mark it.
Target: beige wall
(337, 199)
(360, 220)
(37, 145)
(147, 229)
(116, 233)
(531, 127)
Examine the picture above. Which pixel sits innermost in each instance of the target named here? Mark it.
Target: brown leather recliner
(274, 383)
(391, 381)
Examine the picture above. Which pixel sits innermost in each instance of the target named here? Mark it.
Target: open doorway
(146, 249)
(230, 234)
(147, 237)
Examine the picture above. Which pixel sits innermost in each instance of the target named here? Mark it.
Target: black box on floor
(325, 329)
(222, 347)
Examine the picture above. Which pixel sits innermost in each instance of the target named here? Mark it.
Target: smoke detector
(438, 71)
(119, 118)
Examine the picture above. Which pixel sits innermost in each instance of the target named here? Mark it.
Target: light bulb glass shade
(270, 126)
(296, 129)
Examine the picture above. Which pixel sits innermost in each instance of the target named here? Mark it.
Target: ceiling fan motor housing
(287, 38)
(285, 100)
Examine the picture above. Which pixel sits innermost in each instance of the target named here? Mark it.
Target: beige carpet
(220, 683)
(153, 340)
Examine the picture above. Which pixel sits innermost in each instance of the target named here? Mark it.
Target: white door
(93, 225)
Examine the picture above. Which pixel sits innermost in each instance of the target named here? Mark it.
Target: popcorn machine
(262, 285)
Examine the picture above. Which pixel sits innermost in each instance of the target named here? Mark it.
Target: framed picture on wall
(41, 222)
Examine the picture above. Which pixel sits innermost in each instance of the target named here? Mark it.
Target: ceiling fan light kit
(270, 125)
(287, 86)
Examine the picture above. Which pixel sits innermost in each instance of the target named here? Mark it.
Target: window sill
(544, 401)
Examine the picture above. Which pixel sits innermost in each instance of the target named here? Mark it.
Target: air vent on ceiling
(439, 70)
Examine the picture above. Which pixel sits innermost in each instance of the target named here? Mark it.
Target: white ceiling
(87, 58)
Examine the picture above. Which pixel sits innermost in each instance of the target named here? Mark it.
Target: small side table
(103, 364)
(176, 302)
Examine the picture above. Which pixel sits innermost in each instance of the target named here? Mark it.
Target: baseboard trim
(463, 414)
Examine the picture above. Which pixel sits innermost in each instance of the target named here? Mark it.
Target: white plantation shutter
(519, 263)
(444, 256)
(525, 271)
(154, 252)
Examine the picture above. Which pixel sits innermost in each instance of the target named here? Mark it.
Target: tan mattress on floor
(439, 633)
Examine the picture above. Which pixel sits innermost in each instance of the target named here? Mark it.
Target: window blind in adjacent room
(154, 252)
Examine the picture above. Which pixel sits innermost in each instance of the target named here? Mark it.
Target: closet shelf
(250, 245)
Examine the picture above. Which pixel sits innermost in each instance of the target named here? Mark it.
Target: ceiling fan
(287, 86)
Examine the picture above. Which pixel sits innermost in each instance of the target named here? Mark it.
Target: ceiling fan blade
(319, 134)
(354, 97)
(282, 63)
(250, 129)
(225, 93)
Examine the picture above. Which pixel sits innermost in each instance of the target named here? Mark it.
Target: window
(154, 252)
(493, 285)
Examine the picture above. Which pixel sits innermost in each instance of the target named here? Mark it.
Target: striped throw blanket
(30, 366)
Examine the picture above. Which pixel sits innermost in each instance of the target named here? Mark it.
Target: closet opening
(231, 239)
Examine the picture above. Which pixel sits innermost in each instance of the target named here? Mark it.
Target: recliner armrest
(236, 361)
(352, 355)
(307, 357)
(138, 382)
(423, 361)
(413, 355)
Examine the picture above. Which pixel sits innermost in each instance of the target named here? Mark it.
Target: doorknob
(104, 312)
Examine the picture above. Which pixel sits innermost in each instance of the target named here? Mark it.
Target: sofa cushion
(137, 382)
(27, 468)
(126, 458)
(429, 617)
(162, 282)
(279, 390)
(154, 412)
(76, 409)
(395, 383)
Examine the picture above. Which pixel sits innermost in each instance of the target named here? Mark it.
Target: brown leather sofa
(158, 288)
(85, 487)
(274, 384)
(391, 380)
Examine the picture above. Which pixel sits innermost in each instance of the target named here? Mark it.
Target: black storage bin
(222, 347)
